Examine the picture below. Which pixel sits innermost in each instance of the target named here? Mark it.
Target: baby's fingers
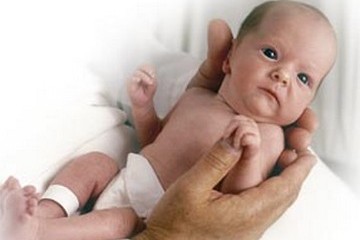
(251, 142)
(142, 77)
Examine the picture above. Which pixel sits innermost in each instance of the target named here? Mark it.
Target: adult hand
(210, 75)
(192, 209)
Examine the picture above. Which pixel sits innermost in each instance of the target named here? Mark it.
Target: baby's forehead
(302, 14)
(293, 9)
(303, 24)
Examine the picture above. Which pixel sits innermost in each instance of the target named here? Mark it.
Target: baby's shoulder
(199, 91)
(198, 94)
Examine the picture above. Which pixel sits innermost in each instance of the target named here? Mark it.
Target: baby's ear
(226, 64)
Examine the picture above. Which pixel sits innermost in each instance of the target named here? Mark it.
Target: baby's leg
(17, 208)
(115, 223)
(17, 220)
(85, 176)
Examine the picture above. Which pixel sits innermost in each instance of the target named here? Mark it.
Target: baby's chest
(204, 120)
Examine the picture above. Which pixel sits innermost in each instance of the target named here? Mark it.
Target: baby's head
(282, 52)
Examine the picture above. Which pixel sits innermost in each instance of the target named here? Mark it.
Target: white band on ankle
(64, 197)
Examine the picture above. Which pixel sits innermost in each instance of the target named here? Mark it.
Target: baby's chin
(263, 113)
(260, 108)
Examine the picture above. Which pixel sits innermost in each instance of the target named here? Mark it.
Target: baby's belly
(196, 123)
(171, 158)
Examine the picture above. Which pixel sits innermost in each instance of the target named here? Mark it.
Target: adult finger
(308, 120)
(287, 157)
(210, 73)
(297, 138)
(297, 172)
(219, 39)
(212, 167)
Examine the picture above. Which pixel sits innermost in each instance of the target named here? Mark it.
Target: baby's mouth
(271, 93)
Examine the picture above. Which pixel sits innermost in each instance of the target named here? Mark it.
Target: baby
(272, 73)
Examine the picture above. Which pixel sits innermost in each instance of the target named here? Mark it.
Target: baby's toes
(29, 190)
(11, 183)
(32, 204)
(148, 70)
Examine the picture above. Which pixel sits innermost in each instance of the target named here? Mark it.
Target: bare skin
(192, 195)
(210, 75)
(18, 220)
(192, 209)
(67, 228)
(270, 79)
(194, 109)
(17, 208)
(85, 186)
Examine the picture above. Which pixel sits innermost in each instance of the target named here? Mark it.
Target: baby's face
(273, 74)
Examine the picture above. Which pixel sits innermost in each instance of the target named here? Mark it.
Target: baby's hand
(245, 135)
(142, 86)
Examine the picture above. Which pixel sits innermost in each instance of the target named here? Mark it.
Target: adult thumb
(212, 166)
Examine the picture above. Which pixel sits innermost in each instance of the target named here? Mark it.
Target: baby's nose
(281, 77)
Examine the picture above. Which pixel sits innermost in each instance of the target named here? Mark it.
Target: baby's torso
(193, 127)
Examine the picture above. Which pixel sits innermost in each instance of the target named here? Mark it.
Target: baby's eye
(270, 53)
(303, 78)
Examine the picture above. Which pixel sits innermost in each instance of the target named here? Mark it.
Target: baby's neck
(221, 99)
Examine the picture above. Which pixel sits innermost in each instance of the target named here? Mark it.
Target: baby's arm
(141, 89)
(261, 146)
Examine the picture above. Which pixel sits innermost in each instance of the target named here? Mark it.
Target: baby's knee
(97, 170)
(95, 161)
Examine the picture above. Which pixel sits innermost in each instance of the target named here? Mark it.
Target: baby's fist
(142, 86)
(244, 133)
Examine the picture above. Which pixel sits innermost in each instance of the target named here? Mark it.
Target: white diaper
(136, 186)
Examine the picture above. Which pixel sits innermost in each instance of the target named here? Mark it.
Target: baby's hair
(255, 17)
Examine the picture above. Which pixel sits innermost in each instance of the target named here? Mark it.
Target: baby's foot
(17, 209)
